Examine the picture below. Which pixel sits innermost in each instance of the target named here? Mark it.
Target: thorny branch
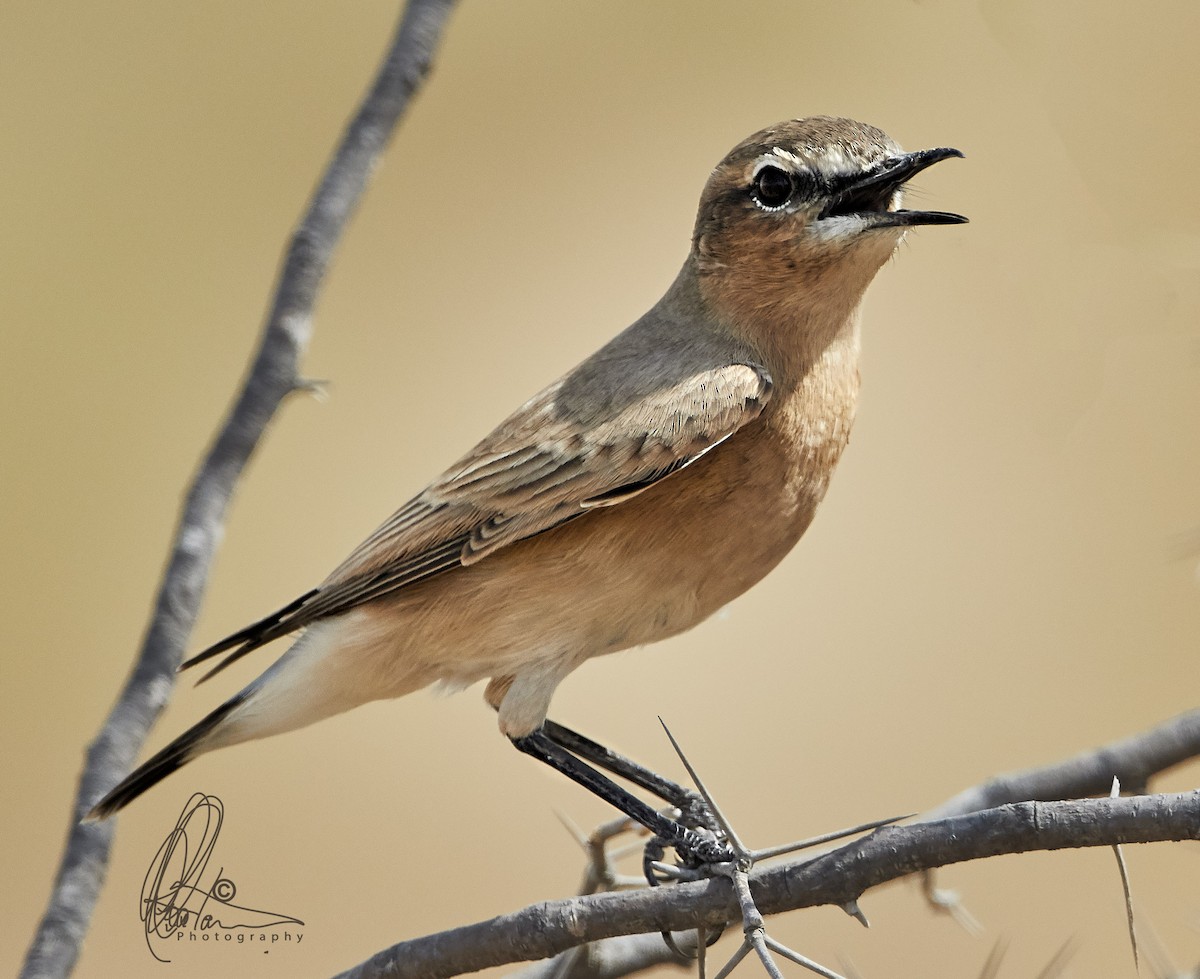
(273, 375)
(837, 878)
(613, 926)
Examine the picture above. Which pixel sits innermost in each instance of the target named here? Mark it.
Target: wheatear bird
(630, 499)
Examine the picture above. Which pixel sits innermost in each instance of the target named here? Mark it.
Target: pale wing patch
(611, 463)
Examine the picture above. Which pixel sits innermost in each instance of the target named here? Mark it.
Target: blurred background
(994, 581)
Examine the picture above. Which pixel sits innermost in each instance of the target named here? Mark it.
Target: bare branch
(837, 878)
(1134, 760)
(273, 375)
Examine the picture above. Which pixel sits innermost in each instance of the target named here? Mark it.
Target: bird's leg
(693, 809)
(702, 848)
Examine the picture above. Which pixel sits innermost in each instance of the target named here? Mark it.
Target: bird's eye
(773, 187)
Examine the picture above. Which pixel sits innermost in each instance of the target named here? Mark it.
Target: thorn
(572, 828)
(850, 968)
(991, 966)
(1159, 958)
(837, 834)
(713, 808)
(1133, 942)
(948, 902)
(851, 908)
(318, 388)
(1062, 957)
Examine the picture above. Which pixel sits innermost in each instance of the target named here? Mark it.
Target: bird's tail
(336, 665)
(175, 755)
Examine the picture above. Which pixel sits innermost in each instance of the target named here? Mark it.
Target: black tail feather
(253, 636)
(175, 755)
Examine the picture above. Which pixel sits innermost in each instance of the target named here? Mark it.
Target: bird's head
(806, 212)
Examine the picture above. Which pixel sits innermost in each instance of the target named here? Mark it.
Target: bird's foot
(708, 821)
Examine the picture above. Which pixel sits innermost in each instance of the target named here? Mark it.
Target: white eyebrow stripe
(783, 154)
(773, 159)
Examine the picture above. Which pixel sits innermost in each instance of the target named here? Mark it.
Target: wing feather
(538, 470)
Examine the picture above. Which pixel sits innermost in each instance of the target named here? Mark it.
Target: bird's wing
(539, 469)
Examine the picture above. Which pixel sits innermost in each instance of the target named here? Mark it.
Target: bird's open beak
(870, 195)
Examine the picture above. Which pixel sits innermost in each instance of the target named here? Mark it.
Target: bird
(630, 499)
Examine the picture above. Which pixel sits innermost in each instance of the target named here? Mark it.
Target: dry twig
(272, 377)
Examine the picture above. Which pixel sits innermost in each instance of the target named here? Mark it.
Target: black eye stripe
(808, 184)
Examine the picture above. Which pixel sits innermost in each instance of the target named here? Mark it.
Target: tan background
(990, 584)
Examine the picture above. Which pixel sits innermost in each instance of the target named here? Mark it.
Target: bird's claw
(725, 855)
